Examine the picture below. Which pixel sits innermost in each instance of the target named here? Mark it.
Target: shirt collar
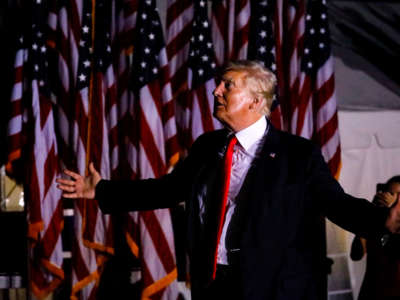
(249, 136)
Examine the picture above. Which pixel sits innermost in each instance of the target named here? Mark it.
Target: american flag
(230, 29)
(83, 129)
(262, 47)
(120, 104)
(306, 81)
(130, 132)
(156, 150)
(32, 141)
(202, 70)
(179, 25)
(17, 123)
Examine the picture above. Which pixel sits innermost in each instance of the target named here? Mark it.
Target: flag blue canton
(201, 53)
(85, 48)
(149, 42)
(38, 49)
(261, 41)
(317, 38)
(102, 44)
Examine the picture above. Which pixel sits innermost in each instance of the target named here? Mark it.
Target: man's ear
(255, 104)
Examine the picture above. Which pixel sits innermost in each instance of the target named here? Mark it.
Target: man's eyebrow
(228, 79)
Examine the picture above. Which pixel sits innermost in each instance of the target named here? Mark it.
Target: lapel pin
(272, 154)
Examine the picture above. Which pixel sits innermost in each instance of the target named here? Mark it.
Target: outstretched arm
(79, 186)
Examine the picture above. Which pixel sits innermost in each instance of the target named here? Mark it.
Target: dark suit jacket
(286, 188)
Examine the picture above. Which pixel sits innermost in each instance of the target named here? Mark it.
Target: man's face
(232, 101)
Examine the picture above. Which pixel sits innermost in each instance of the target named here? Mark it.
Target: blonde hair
(259, 80)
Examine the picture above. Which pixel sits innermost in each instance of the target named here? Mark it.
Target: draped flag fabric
(179, 25)
(33, 154)
(156, 151)
(262, 47)
(230, 29)
(94, 82)
(202, 71)
(305, 75)
(81, 102)
(193, 68)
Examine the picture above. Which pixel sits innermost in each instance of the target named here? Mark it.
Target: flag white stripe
(183, 20)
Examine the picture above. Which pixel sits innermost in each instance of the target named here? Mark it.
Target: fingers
(70, 195)
(66, 188)
(74, 175)
(92, 170)
(381, 202)
(68, 191)
(65, 182)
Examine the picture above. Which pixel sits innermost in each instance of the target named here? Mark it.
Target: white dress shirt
(244, 152)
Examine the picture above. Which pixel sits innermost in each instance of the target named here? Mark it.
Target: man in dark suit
(252, 194)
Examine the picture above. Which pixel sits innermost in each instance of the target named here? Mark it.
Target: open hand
(79, 186)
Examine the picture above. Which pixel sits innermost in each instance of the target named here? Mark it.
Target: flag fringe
(97, 246)
(337, 174)
(159, 285)
(34, 229)
(83, 283)
(132, 245)
(13, 156)
(43, 293)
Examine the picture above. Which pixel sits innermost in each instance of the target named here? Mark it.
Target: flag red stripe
(155, 91)
(179, 84)
(15, 142)
(327, 131)
(74, 20)
(157, 235)
(293, 97)
(122, 83)
(206, 114)
(130, 7)
(53, 231)
(168, 111)
(334, 162)
(179, 41)
(33, 194)
(241, 37)
(45, 109)
(325, 92)
(49, 170)
(78, 263)
(150, 147)
(304, 101)
(18, 74)
(16, 108)
(176, 9)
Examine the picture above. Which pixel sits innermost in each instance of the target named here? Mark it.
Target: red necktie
(225, 190)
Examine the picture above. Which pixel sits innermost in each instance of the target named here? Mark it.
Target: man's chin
(220, 117)
(217, 114)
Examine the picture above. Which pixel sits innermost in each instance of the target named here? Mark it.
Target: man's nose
(218, 90)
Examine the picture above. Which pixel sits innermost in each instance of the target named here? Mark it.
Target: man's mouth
(217, 103)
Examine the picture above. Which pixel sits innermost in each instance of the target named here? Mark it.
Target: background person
(382, 275)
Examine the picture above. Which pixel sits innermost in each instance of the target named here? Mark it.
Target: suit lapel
(257, 192)
(267, 166)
